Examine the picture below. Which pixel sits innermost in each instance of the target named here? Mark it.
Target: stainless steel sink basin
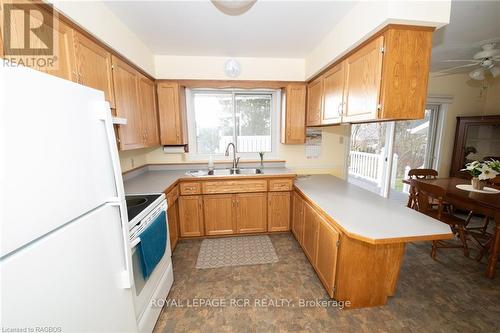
(249, 171)
(225, 172)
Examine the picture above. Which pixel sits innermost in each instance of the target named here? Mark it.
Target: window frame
(193, 154)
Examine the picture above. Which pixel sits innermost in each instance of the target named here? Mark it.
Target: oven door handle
(134, 242)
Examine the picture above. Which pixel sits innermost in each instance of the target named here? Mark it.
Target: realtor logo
(28, 30)
(28, 35)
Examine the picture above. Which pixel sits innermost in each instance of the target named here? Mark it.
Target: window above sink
(248, 118)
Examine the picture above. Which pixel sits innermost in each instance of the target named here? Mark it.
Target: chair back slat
(423, 174)
(427, 193)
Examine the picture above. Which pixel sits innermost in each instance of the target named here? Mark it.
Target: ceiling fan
(487, 61)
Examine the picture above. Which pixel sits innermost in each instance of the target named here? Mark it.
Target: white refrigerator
(65, 260)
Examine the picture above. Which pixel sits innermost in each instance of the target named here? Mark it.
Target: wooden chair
(426, 195)
(418, 174)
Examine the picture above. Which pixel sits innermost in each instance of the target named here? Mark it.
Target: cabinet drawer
(235, 186)
(280, 185)
(190, 188)
(172, 196)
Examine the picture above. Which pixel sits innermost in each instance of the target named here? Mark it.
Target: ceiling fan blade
(461, 60)
(454, 68)
(441, 74)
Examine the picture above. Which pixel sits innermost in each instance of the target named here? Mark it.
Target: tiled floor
(448, 295)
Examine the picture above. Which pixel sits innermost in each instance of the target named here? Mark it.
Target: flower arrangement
(481, 171)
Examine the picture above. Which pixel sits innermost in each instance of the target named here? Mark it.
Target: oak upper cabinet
(61, 62)
(293, 114)
(93, 66)
(314, 102)
(125, 84)
(149, 115)
(326, 259)
(172, 112)
(333, 95)
(364, 73)
(278, 218)
(251, 212)
(191, 216)
(310, 243)
(219, 214)
(298, 218)
(387, 78)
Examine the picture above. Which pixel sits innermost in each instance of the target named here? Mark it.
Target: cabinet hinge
(382, 49)
(334, 289)
(338, 243)
(112, 66)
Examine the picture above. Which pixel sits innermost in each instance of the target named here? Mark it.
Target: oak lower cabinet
(219, 214)
(310, 243)
(326, 259)
(251, 212)
(173, 224)
(191, 216)
(278, 218)
(298, 218)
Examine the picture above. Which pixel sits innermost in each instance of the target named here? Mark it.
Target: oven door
(145, 288)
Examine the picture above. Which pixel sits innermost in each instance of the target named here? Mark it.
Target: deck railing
(248, 144)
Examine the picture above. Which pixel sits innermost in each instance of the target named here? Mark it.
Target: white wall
(365, 19)
(212, 68)
(468, 100)
(98, 20)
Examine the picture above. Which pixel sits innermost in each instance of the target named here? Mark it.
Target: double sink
(225, 172)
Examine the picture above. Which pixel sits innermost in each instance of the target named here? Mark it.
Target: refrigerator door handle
(104, 113)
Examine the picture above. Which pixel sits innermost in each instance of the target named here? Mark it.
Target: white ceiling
(285, 29)
(472, 23)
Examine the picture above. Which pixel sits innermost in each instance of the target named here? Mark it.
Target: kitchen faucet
(235, 160)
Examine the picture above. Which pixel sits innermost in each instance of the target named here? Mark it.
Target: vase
(477, 184)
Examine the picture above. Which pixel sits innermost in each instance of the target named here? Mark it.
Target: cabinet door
(219, 216)
(62, 62)
(147, 102)
(173, 224)
(293, 111)
(171, 106)
(327, 247)
(278, 218)
(251, 212)
(333, 95)
(314, 102)
(363, 78)
(191, 216)
(93, 64)
(127, 105)
(298, 218)
(310, 233)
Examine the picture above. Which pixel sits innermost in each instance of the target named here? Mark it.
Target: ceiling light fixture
(232, 68)
(477, 74)
(495, 71)
(233, 7)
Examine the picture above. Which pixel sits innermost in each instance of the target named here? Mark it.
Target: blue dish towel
(152, 244)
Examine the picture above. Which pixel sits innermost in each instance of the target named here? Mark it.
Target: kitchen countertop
(365, 215)
(157, 181)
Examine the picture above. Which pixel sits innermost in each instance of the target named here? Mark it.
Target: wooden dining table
(483, 202)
